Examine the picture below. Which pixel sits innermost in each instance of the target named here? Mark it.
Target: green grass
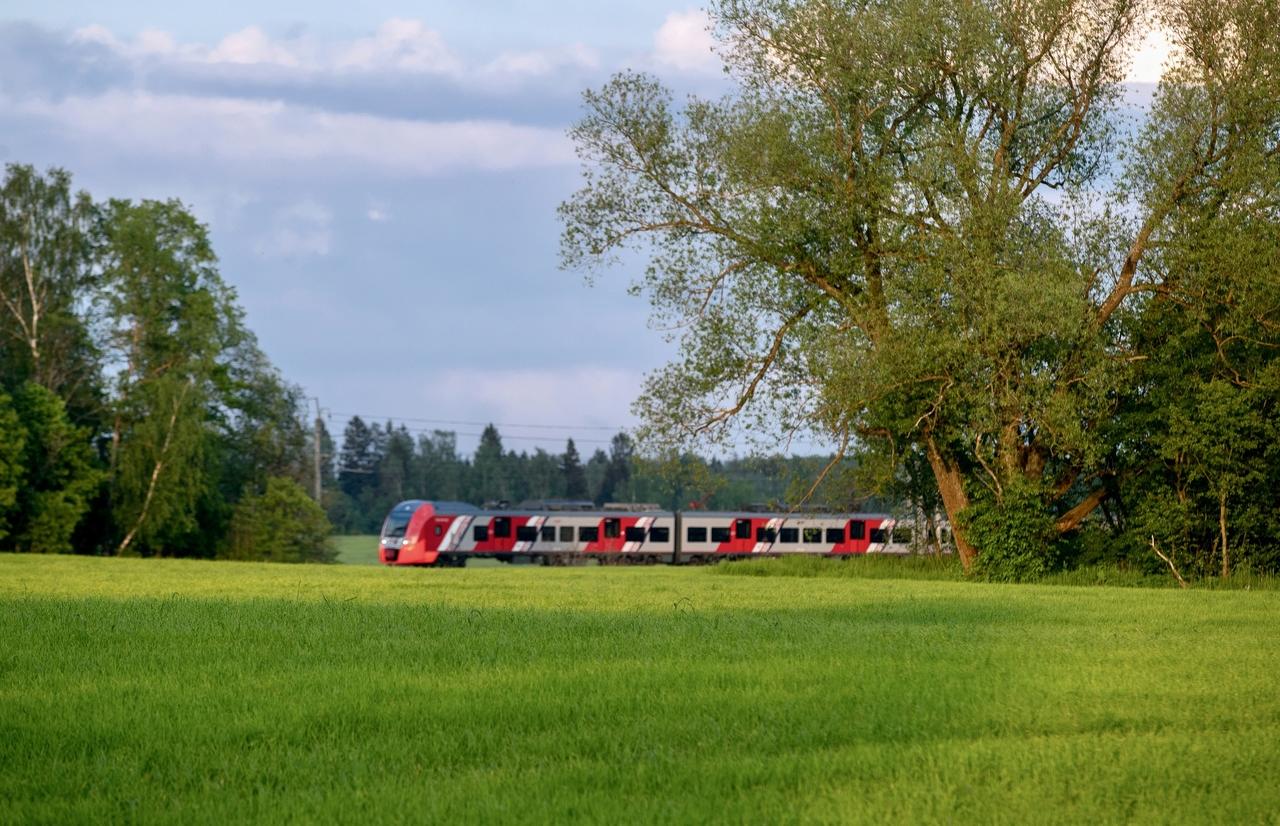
(182, 691)
(357, 550)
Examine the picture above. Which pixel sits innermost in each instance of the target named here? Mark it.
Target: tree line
(379, 465)
(138, 415)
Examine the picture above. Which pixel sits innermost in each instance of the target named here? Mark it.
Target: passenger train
(449, 533)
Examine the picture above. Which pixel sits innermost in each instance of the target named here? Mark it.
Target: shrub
(282, 524)
(1014, 535)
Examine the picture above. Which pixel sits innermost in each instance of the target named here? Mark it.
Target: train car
(559, 537)
(416, 532)
(419, 532)
(713, 534)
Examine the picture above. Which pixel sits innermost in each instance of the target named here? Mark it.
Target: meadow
(187, 691)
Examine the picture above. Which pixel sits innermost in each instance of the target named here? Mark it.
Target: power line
(374, 417)
(505, 436)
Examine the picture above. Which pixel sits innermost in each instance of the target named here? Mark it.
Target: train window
(742, 528)
(548, 533)
(501, 526)
(591, 534)
(789, 535)
(526, 533)
(612, 528)
(812, 536)
(835, 536)
(697, 535)
(903, 534)
(857, 529)
(719, 534)
(635, 534)
(439, 530)
(659, 534)
(566, 533)
(766, 535)
(480, 533)
(877, 534)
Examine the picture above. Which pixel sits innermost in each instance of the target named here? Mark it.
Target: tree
(571, 471)
(488, 471)
(46, 256)
(439, 469)
(59, 474)
(618, 470)
(281, 524)
(861, 242)
(171, 322)
(596, 469)
(358, 461)
(12, 441)
(545, 479)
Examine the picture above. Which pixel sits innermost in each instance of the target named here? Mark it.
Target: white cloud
(378, 213)
(1148, 63)
(252, 45)
(544, 61)
(277, 136)
(684, 42)
(403, 44)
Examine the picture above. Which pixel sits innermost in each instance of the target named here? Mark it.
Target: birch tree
(172, 319)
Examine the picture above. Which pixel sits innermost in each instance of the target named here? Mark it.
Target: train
(447, 534)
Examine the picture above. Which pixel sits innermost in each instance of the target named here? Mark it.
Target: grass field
(135, 690)
(357, 550)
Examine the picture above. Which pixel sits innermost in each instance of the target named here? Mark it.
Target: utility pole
(316, 448)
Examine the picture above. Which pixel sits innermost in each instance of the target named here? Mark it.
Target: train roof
(785, 515)
(595, 512)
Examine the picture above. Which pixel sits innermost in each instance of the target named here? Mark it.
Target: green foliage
(12, 441)
(47, 262)
(60, 475)
(1015, 534)
(859, 243)
(575, 479)
(281, 524)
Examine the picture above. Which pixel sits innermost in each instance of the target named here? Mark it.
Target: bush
(1014, 536)
(282, 524)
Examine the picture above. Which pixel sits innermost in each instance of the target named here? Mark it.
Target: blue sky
(380, 180)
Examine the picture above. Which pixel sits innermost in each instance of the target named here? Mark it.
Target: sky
(380, 181)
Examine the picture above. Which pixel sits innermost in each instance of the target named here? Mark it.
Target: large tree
(46, 275)
(172, 323)
(912, 227)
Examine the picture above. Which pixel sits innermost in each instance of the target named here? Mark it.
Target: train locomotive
(419, 532)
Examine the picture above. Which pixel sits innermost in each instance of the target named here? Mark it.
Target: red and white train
(449, 533)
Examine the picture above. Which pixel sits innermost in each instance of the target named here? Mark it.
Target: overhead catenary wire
(375, 417)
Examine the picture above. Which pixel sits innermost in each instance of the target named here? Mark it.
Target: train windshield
(396, 525)
(398, 520)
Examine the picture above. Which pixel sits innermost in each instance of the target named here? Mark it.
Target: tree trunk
(954, 499)
(1222, 527)
(155, 472)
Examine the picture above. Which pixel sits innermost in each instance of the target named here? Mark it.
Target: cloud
(684, 43)
(403, 44)
(1154, 52)
(274, 136)
(542, 62)
(377, 213)
(251, 45)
